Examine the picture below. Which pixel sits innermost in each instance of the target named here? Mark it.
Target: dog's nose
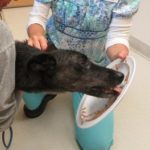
(120, 74)
(117, 77)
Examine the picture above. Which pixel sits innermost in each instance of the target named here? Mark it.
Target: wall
(140, 31)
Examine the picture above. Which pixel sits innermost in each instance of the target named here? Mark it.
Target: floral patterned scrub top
(82, 25)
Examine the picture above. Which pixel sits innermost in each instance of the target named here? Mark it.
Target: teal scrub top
(82, 25)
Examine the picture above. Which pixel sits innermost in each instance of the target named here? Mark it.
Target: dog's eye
(82, 65)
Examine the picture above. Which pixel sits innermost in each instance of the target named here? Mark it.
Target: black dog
(61, 71)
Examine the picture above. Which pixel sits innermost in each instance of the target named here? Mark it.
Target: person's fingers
(39, 42)
(43, 43)
(30, 42)
(36, 42)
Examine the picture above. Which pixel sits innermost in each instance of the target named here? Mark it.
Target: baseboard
(140, 46)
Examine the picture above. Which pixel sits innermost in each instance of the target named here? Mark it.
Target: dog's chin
(103, 92)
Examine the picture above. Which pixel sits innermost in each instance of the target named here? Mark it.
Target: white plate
(93, 109)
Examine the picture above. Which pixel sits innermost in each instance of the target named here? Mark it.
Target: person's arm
(8, 101)
(36, 25)
(117, 45)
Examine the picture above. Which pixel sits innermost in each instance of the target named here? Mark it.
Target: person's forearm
(119, 31)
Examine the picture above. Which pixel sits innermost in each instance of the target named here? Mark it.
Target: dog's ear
(45, 63)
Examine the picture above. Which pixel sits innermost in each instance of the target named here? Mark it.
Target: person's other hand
(117, 51)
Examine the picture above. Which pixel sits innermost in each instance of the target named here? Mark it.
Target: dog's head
(63, 70)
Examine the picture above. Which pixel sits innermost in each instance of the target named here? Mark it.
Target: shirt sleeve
(125, 8)
(121, 23)
(119, 32)
(8, 100)
(39, 13)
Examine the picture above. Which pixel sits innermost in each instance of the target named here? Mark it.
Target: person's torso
(81, 25)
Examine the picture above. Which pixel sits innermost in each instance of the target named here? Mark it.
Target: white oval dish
(92, 109)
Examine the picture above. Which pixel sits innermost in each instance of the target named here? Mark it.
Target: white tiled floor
(54, 130)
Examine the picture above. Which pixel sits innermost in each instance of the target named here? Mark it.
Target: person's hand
(39, 42)
(117, 51)
(36, 36)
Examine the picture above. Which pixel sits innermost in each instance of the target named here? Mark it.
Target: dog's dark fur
(61, 71)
